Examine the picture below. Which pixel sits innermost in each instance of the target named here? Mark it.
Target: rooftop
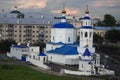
(65, 50)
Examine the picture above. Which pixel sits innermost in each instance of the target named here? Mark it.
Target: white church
(64, 50)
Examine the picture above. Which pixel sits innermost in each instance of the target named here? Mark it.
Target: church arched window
(81, 34)
(53, 38)
(90, 34)
(86, 34)
(68, 39)
(86, 23)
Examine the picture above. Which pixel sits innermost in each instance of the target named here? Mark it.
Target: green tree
(5, 44)
(109, 20)
(41, 44)
(99, 23)
(97, 38)
(112, 36)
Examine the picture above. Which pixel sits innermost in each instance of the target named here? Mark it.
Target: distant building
(23, 30)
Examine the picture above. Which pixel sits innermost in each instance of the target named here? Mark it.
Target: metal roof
(63, 25)
(65, 50)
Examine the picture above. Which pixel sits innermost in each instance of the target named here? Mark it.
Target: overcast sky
(97, 8)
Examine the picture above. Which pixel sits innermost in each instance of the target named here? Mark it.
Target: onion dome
(15, 11)
(86, 17)
(63, 25)
(63, 11)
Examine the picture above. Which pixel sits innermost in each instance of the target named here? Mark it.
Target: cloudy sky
(74, 7)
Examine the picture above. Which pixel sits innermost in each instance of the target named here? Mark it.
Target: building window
(53, 38)
(51, 57)
(82, 65)
(90, 34)
(86, 23)
(81, 34)
(86, 34)
(46, 31)
(29, 56)
(68, 39)
(33, 56)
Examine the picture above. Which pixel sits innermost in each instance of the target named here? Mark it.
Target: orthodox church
(64, 50)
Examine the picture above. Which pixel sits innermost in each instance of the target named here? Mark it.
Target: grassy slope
(15, 72)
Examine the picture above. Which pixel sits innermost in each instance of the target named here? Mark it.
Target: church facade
(64, 50)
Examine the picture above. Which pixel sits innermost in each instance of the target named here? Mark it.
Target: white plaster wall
(97, 60)
(18, 52)
(77, 72)
(52, 46)
(84, 66)
(34, 49)
(106, 72)
(37, 63)
(72, 59)
(59, 59)
(61, 35)
(87, 21)
(86, 40)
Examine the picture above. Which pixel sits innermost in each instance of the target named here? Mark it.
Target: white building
(29, 54)
(63, 49)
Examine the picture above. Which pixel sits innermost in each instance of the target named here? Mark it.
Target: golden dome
(64, 11)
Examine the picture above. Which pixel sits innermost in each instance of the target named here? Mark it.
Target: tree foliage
(100, 23)
(97, 38)
(112, 36)
(41, 44)
(109, 20)
(5, 45)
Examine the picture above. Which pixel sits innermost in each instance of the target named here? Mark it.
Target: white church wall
(106, 72)
(62, 35)
(72, 60)
(86, 38)
(34, 49)
(77, 72)
(17, 52)
(97, 62)
(70, 33)
(85, 66)
(55, 58)
(52, 46)
(57, 35)
(37, 62)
